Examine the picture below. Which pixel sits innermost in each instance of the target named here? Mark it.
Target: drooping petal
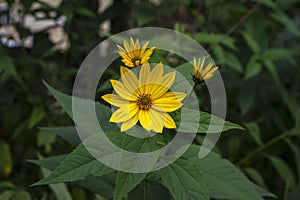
(115, 100)
(124, 113)
(157, 120)
(130, 123)
(169, 123)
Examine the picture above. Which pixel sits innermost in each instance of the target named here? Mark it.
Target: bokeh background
(255, 43)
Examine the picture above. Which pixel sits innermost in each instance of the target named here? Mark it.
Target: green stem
(265, 146)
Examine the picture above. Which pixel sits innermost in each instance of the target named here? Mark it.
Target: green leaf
(149, 190)
(76, 166)
(5, 158)
(255, 176)
(126, 182)
(254, 131)
(84, 120)
(233, 62)
(36, 116)
(283, 169)
(49, 163)
(60, 189)
(222, 178)
(45, 138)
(282, 18)
(296, 152)
(253, 68)
(213, 38)
(68, 133)
(208, 123)
(277, 54)
(184, 181)
(251, 42)
(7, 63)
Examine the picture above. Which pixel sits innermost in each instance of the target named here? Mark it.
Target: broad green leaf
(85, 120)
(103, 185)
(76, 166)
(68, 133)
(220, 54)
(282, 169)
(208, 123)
(222, 178)
(5, 158)
(7, 195)
(49, 163)
(254, 131)
(184, 181)
(148, 190)
(253, 67)
(127, 182)
(251, 42)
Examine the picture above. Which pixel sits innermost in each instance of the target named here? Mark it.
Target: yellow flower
(146, 99)
(133, 55)
(201, 74)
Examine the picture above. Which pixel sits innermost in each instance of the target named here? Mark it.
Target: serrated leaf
(68, 133)
(49, 163)
(208, 123)
(184, 181)
(127, 182)
(221, 177)
(76, 166)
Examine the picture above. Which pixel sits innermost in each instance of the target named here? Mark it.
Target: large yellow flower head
(202, 73)
(133, 55)
(146, 99)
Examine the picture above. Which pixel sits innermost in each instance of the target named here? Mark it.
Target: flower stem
(268, 144)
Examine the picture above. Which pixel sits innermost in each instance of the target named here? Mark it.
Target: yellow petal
(124, 113)
(169, 123)
(145, 119)
(144, 47)
(157, 120)
(130, 80)
(129, 123)
(115, 100)
(156, 74)
(169, 102)
(207, 69)
(123, 91)
(167, 82)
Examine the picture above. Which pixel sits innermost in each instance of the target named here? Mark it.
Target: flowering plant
(146, 103)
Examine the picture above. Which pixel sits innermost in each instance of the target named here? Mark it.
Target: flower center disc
(144, 102)
(136, 61)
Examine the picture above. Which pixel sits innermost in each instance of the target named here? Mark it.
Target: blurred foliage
(255, 42)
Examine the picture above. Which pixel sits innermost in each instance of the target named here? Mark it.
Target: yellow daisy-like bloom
(133, 55)
(146, 99)
(200, 73)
